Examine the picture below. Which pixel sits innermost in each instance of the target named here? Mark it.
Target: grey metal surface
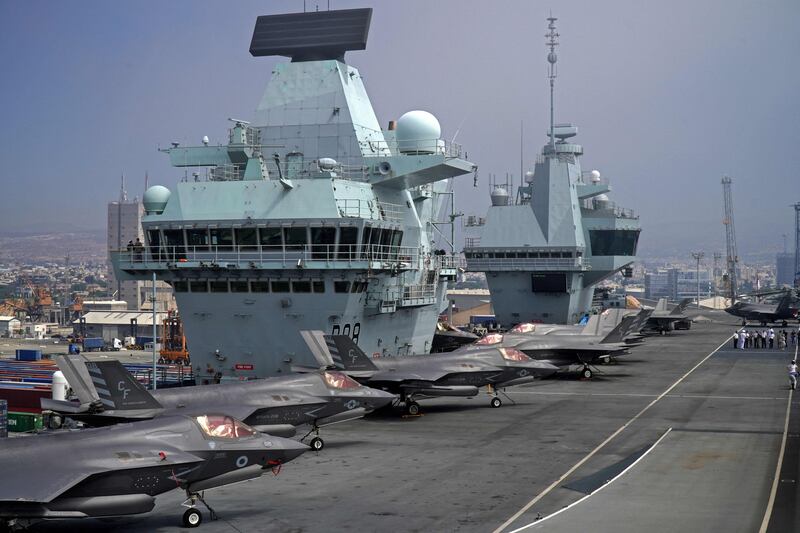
(466, 467)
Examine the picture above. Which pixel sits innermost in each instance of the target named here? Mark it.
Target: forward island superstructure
(544, 250)
(310, 218)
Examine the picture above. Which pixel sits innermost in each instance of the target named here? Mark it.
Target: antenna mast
(552, 42)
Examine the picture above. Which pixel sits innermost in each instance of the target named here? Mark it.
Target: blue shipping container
(29, 355)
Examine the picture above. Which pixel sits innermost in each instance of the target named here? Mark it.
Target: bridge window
(614, 242)
(197, 239)
(271, 238)
(259, 286)
(222, 238)
(323, 241)
(301, 286)
(348, 239)
(318, 286)
(279, 285)
(246, 238)
(341, 286)
(365, 242)
(238, 286)
(198, 286)
(180, 286)
(219, 286)
(295, 238)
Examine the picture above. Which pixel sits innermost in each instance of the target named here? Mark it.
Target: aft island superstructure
(545, 250)
(310, 218)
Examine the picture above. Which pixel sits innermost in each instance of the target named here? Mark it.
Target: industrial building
(784, 269)
(9, 326)
(112, 325)
(677, 283)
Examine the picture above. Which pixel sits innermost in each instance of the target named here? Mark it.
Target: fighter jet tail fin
(679, 309)
(620, 330)
(661, 305)
(784, 304)
(118, 389)
(347, 355)
(592, 326)
(73, 367)
(315, 340)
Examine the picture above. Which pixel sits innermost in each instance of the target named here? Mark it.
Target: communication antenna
(552, 42)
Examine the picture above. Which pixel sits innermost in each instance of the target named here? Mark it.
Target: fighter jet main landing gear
(192, 517)
(495, 402)
(412, 408)
(316, 443)
(586, 373)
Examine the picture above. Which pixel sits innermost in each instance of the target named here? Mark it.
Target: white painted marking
(774, 490)
(600, 446)
(601, 487)
(635, 395)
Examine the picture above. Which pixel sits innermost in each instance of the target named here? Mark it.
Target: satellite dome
(602, 198)
(595, 176)
(529, 177)
(155, 199)
(418, 132)
(499, 196)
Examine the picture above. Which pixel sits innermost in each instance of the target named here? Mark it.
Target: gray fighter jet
(456, 373)
(119, 470)
(107, 394)
(765, 313)
(663, 320)
(565, 351)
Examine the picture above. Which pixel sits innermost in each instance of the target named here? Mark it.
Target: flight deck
(683, 434)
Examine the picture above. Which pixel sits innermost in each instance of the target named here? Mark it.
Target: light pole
(698, 256)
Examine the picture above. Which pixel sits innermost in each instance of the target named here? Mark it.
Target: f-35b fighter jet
(565, 351)
(119, 470)
(456, 373)
(107, 394)
(765, 313)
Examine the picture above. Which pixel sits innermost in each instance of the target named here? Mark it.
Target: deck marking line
(577, 465)
(774, 490)
(601, 487)
(638, 395)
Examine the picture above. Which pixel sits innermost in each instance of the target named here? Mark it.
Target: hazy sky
(668, 97)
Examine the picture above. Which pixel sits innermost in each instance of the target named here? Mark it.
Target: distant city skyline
(668, 97)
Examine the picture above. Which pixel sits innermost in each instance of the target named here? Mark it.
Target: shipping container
(24, 422)
(29, 355)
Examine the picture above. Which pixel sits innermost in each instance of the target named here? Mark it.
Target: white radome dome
(155, 199)
(595, 176)
(529, 177)
(418, 131)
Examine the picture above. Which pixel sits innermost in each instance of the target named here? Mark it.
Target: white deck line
(611, 437)
(776, 480)
(601, 487)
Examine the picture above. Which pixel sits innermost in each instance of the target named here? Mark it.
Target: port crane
(730, 238)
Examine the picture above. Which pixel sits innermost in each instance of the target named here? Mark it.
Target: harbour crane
(730, 238)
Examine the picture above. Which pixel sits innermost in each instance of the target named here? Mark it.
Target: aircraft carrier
(684, 434)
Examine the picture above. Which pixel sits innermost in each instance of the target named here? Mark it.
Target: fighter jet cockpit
(512, 354)
(525, 327)
(488, 340)
(224, 427)
(340, 380)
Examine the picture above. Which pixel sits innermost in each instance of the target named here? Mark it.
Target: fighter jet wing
(56, 474)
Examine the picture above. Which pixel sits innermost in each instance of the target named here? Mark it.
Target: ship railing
(449, 261)
(369, 209)
(472, 242)
(407, 296)
(524, 263)
(382, 148)
(375, 256)
(612, 209)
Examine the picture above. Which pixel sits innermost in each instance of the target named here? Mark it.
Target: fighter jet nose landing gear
(586, 373)
(192, 517)
(496, 402)
(412, 408)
